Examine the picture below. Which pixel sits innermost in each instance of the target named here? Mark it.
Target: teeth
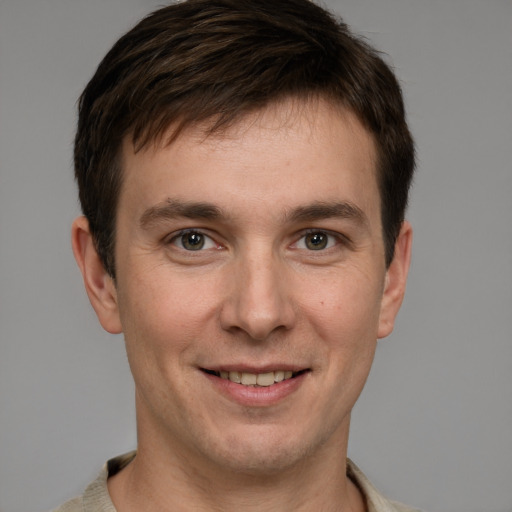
(260, 379)
(235, 377)
(249, 379)
(265, 379)
(278, 376)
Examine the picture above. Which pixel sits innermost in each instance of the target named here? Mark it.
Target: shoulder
(376, 501)
(400, 507)
(96, 497)
(74, 505)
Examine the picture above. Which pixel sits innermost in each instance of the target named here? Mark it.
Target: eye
(193, 241)
(316, 241)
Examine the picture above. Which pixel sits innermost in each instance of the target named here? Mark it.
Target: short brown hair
(218, 60)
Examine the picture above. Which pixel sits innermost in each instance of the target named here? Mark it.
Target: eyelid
(176, 235)
(340, 238)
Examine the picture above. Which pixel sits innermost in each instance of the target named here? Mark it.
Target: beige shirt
(96, 497)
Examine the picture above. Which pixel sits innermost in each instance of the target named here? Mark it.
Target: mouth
(256, 379)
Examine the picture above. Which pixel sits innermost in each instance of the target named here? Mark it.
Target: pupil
(316, 241)
(193, 241)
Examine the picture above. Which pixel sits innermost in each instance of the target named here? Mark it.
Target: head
(244, 167)
(212, 63)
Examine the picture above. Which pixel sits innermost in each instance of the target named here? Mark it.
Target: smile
(256, 379)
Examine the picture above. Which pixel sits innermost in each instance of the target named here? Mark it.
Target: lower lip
(251, 396)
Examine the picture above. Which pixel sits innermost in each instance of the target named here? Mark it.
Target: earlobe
(99, 285)
(395, 282)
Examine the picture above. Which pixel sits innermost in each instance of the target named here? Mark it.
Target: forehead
(289, 153)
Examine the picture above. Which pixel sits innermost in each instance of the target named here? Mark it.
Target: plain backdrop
(434, 426)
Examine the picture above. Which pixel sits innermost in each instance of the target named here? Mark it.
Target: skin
(258, 296)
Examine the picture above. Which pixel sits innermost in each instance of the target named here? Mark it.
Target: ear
(98, 283)
(396, 278)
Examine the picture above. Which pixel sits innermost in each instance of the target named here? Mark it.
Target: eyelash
(177, 236)
(334, 239)
(338, 238)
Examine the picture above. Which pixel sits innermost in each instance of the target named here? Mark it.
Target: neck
(158, 480)
(170, 475)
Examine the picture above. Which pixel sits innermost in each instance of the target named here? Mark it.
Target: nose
(259, 299)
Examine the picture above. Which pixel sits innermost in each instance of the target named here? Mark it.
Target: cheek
(161, 319)
(343, 307)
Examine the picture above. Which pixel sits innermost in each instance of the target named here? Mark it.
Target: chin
(263, 452)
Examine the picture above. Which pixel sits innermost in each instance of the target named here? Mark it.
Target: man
(243, 170)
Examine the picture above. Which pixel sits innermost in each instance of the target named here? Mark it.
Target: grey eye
(316, 241)
(192, 241)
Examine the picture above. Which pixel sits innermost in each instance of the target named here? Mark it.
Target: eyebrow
(172, 209)
(326, 210)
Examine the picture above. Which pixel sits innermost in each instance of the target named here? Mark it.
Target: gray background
(434, 425)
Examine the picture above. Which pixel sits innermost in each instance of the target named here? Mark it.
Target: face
(251, 286)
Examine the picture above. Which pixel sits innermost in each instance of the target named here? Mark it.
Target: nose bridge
(259, 303)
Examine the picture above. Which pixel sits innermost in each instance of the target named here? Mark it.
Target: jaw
(256, 464)
(250, 429)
